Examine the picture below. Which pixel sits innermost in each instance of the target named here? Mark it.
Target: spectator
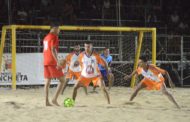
(107, 12)
(107, 4)
(22, 16)
(94, 9)
(174, 17)
(69, 16)
(182, 27)
(152, 18)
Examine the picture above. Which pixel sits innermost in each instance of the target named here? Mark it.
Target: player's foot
(55, 102)
(178, 107)
(129, 103)
(48, 104)
(93, 91)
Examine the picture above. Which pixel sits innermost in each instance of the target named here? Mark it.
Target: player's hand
(59, 66)
(62, 63)
(127, 77)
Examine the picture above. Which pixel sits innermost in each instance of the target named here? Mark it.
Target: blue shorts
(104, 74)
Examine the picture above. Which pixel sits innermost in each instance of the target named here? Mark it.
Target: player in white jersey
(90, 72)
(74, 69)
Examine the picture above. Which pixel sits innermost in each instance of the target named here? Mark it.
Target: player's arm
(103, 63)
(54, 53)
(109, 63)
(80, 59)
(164, 72)
(131, 75)
(68, 59)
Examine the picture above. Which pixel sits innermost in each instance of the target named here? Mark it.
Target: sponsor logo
(6, 77)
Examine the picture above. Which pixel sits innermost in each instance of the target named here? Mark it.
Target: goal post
(13, 29)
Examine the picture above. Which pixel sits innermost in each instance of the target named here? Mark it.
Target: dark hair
(54, 25)
(105, 48)
(144, 58)
(76, 44)
(88, 42)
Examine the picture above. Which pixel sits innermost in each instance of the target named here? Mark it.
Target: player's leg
(75, 89)
(58, 90)
(170, 97)
(47, 76)
(46, 89)
(137, 89)
(57, 73)
(110, 80)
(64, 85)
(103, 88)
(108, 77)
(68, 76)
(94, 88)
(85, 90)
(103, 77)
(76, 75)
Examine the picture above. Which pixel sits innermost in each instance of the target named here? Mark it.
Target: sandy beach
(27, 105)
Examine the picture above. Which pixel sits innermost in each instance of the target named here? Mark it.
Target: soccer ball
(68, 102)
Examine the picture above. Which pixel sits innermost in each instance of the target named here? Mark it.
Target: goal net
(21, 57)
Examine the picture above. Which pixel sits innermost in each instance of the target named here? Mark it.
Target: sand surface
(27, 105)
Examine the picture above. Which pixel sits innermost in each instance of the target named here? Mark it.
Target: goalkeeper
(108, 58)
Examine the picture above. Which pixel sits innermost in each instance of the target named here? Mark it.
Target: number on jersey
(45, 45)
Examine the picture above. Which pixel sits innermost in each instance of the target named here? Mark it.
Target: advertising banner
(29, 67)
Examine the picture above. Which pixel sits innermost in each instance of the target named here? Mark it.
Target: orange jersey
(89, 64)
(153, 73)
(50, 40)
(72, 59)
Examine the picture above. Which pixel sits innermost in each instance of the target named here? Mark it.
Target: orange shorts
(71, 74)
(86, 81)
(152, 85)
(50, 71)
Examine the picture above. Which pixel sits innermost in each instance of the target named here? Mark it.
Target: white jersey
(89, 64)
(150, 75)
(153, 73)
(72, 61)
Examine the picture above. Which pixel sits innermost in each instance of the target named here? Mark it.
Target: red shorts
(50, 71)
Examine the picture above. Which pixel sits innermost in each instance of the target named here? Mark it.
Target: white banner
(29, 68)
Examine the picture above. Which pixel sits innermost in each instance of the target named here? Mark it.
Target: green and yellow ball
(69, 102)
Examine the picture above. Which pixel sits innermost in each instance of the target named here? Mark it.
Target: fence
(172, 51)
